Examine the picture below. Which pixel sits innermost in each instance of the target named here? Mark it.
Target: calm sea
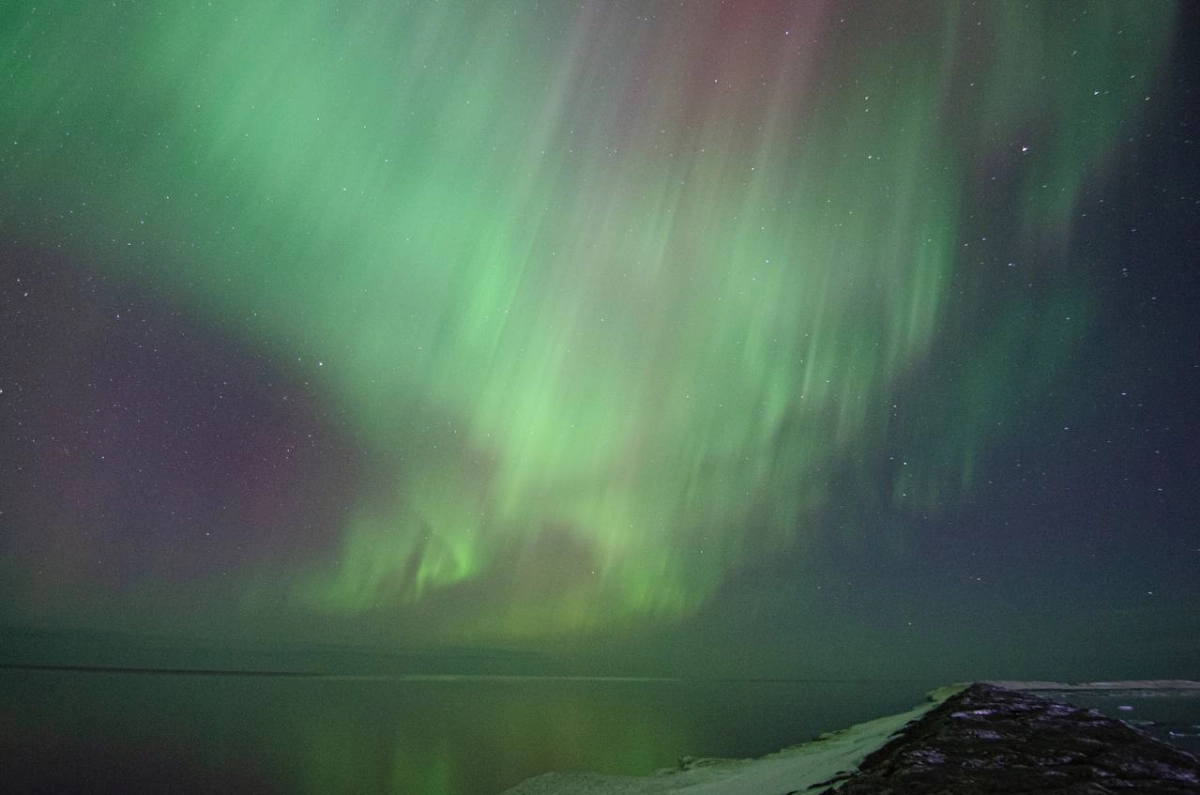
(63, 731)
(70, 731)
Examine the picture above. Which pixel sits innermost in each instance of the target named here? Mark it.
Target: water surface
(435, 735)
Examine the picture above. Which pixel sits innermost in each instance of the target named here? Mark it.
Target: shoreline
(954, 736)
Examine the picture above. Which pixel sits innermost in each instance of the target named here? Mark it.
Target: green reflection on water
(437, 737)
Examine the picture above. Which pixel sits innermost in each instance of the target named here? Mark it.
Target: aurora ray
(610, 293)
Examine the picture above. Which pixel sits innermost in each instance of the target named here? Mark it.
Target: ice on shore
(822, 764)
(818, 764)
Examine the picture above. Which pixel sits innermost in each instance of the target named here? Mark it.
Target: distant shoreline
(1027, 686)
(1132, 684)
(105, 669)
(157, 671)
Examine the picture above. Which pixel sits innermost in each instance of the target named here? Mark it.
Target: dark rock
(989, 739)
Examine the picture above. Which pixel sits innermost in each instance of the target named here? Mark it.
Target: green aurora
(619, 295)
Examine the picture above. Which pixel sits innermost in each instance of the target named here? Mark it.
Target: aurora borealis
(505, 322)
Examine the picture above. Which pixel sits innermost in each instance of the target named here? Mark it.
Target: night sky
(760, 337)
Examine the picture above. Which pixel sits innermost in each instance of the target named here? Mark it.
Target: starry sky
(754, 336)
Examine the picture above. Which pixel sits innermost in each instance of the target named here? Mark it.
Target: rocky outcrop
(989, 739)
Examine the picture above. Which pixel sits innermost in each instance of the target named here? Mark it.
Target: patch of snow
(986, 734)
